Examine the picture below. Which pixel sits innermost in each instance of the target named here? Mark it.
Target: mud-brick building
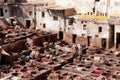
(114, 23)
(73, 20)
(98, 23)
(95, 30)
(54, 18)
(4, 13)
(22, 11)
(10, 10)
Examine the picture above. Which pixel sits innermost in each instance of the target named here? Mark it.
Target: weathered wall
(6, 12)
(1, 1)
(28, 11)
(51, 25)
(84, 28)
(114, 7)
(6, 15)
(84, 6)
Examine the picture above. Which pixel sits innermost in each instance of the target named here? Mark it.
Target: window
(82, 22)
(44, 25)
(97, 0)
(43, 14)
(91, 13)
(96, 35)
(84, 27)
(83, 34)
(55, 18)
(85, 21)
(18, 1)
(5, 10)
(68, 28)
(5, 1)
(30, 13)
(100, 14)
(106, 14)
(88, 13)
(70, 22)
(14, 12)
(46, 4)
(100, 29)
(93, 9)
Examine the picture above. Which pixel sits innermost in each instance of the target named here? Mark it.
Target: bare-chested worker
(2, 52)
(34, 54)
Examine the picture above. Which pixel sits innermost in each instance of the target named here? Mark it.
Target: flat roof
(89, 16)
(115, 15)
(59, 7)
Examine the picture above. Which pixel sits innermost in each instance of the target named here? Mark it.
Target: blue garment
(27, 57)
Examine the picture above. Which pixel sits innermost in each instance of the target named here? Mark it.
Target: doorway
(60, 35)
(103, 43)
(118, 40)
(89, 40)
(46, 38)
(1, 12)
(112, 34)
(14, 11)
(74, 38)
(28, 23)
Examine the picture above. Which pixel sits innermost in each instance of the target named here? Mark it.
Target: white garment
(30, 41)
(79, 47)
(97, 59)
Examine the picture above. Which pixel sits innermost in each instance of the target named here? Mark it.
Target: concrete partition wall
(78, 39)
(81, 40)
(68, 38)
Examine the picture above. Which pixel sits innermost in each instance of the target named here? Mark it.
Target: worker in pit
(3, 52)
(34, 54)
(17, 27)
(75, 50)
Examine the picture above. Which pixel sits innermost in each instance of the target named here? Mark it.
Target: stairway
(4, 21)
(20, 21)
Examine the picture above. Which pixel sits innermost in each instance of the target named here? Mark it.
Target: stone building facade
(90, 22)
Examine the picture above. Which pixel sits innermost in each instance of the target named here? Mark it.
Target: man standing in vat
(3, 52)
